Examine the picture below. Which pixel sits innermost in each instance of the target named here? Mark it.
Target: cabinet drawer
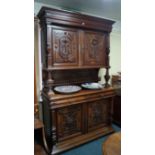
(69, 122)
(77, 21)
(99, 113)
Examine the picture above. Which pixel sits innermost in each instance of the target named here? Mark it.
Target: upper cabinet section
(73, 40)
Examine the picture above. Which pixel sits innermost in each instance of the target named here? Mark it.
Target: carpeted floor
(91, 148)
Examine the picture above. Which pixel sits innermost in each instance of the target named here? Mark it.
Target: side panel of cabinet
(65, 42)
(99, 113)
(69, 122)
(117, 110)
(94, 46)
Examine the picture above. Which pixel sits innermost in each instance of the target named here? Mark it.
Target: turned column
(107, 67)
(50, 80)
(49, 83)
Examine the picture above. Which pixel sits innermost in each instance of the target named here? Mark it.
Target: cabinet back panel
(64, 77)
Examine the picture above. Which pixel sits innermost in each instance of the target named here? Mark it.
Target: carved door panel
(93, 48)
(98, 113)
(69, 122)
(65, 46)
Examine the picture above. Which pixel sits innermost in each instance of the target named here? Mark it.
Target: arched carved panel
(94, 48)
(69, 121)
(98, 113)
(65, 46)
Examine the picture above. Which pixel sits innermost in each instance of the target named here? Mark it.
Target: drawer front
(79, 21)
(99, 113)
(69, 122)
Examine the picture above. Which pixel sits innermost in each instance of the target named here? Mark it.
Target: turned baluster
(107, 76)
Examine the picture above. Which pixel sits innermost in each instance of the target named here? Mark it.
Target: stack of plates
(92, 85)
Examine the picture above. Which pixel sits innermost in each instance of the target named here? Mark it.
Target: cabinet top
(61, 100)
(63, 17)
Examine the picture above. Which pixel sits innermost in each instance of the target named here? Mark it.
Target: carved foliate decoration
(94, 48)
(94, 45)
(65, 46)
(69, 120)
(97, 113)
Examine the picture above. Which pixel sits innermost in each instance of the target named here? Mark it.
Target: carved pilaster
(49, 48)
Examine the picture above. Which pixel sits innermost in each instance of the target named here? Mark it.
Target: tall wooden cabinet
(74, 47)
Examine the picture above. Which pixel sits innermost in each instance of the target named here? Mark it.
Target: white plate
(67, 89)
(92, 85)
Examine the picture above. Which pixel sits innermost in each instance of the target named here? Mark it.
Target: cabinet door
(99, 113)
(65, 46)
(93, 48)
(69, 122)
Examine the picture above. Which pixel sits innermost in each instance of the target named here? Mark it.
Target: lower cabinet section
(75, 120)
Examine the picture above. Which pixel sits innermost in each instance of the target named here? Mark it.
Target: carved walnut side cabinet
(74, 47)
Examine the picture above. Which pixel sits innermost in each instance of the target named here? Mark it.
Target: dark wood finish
(61, 77)
(78, 115)
(76, 141)
(70, 19)
(74, 48)
(68, 124)
(107, 51)
(98, 114)
(73, 41)
(117, 110)
(94, 48)
(65, 46)
(116, 83)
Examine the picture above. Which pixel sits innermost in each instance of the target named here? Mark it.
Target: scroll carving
(97, 113)
(69, 120)
(65, 46)
(94, 48)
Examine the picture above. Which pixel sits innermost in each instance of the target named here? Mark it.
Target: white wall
(115, 55)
